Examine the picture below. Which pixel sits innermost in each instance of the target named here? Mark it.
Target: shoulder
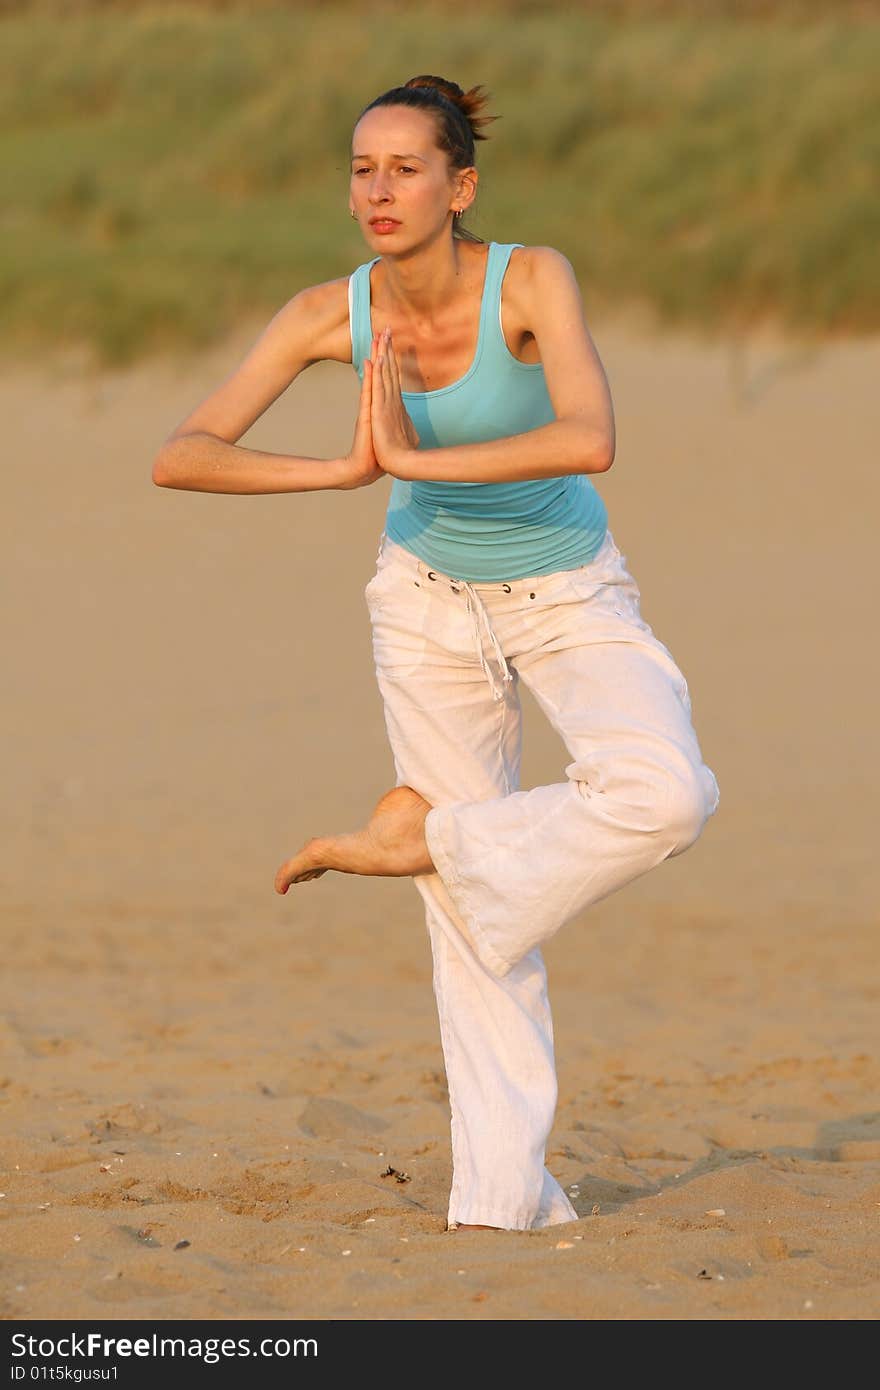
(541, 266)
(537, 278)
(324, 302)
(319, 314)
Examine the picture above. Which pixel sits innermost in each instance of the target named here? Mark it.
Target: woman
(490, 410)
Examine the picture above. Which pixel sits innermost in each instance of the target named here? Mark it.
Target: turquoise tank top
(484, 532)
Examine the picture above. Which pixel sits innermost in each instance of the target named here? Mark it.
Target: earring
(458, 212)
(353, 213)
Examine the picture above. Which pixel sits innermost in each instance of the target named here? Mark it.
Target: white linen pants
(512, 866)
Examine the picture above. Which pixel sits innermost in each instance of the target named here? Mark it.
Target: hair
(458, 120)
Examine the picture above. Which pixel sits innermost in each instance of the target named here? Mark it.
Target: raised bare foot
(392, 843)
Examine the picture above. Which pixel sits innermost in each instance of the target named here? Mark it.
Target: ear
(466, 187)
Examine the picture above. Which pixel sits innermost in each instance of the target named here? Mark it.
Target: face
(398, 173)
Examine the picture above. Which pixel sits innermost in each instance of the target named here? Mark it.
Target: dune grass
(169, 170)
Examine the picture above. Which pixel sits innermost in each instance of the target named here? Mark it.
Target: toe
(302, 867)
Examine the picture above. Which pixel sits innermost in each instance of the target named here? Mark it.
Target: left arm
(580, 440)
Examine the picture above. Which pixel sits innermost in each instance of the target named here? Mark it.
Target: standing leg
(450, 740)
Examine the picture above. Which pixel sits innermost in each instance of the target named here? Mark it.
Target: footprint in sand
(325, 1118)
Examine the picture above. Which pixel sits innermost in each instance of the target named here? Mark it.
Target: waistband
(485, 640)
(390, 550)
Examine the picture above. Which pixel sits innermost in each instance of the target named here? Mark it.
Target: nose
(378, 190)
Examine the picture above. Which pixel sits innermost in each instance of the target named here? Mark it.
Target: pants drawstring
(477, 609)
(482, 625)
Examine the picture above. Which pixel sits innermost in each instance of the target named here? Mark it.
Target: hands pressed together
(385, 438)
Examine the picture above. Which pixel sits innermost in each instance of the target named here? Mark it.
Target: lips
(380, 221)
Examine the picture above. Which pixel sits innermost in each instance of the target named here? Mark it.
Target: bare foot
(392, 843)
(462, 1227)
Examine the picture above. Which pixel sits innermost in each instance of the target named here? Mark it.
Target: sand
(186, 1056)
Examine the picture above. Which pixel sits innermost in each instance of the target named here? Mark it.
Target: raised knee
(691, 798)
(671, 798)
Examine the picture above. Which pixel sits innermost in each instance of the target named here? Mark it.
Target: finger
(392, 359)
(386, 363)
(366, 390)
(376, 378)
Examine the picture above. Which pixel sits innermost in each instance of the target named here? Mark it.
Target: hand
(361, 467)
(395, 438)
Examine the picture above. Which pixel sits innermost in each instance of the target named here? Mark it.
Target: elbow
(601, 456)
(604, 460)
(599, 444)
(173, 465)
(607, 447)
(163, 472)
(160, 474)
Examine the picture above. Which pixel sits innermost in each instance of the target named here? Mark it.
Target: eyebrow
(394, 156)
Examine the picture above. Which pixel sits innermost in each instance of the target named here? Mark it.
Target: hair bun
(470, 103)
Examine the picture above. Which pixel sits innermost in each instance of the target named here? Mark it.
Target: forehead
(391, 129)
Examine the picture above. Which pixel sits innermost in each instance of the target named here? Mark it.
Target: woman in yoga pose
(483, 397)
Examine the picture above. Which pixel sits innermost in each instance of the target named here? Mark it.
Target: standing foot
(392, 843)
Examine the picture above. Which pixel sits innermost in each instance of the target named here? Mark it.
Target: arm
(202, 454)
(198, 461)
(582, 437)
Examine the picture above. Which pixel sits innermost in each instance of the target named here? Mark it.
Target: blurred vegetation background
(169, 169)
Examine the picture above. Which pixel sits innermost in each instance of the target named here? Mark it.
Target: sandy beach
(187, 1057)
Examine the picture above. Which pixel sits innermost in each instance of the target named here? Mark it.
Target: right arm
(202, 453)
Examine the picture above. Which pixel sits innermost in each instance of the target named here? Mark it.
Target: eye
(407, 170)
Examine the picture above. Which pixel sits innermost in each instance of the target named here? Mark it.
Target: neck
(420, 284)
